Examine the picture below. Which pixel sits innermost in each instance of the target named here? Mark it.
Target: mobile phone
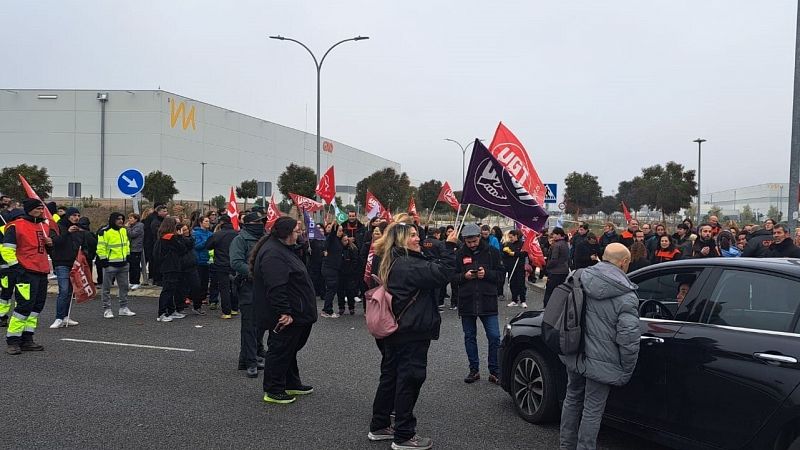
(473, 271)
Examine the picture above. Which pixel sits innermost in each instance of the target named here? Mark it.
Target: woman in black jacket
(557, 262)
(221, 272)
(170, 248)
(285, 304)
(587, 252)
(331, 265)
(348, 276)
(189, 274)
(514, 263)
(412, 279)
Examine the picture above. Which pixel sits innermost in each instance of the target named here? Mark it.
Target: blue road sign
(130, 182)
(551, 196)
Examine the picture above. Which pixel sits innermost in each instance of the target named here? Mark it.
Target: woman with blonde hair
(412, 279)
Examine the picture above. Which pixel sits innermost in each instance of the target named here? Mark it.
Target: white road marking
(122, 344)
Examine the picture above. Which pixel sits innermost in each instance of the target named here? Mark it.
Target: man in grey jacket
(611, 347)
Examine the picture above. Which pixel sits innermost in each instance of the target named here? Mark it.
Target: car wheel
(533, 387)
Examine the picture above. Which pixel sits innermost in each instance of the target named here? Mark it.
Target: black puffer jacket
(478, 297)
(414, 274)
(786, 249)
(220, 242)
(66, 244)
(282, 285)
(171, 250)
(758, 244)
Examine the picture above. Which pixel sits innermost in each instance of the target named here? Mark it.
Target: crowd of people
(273, 278)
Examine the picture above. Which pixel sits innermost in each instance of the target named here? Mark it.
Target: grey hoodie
(611, 331)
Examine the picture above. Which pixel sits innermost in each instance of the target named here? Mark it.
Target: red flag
(512, 155)
(47, 214)
(448, 196)
(273, 213)
(368, 267)
(412, 209)
(326, 189)
(375, 208)
(531, 245)
(81, 278)
(626, 212)
(232, 210)
(306, 203)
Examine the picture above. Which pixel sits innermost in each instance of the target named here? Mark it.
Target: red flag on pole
(531, 245)
(368, 267)
(326, 189)
(232, 210)
(306, 203)
(412, 209)
(448, 196)
(81, 278)
(273, 213)
(510, 153)
(626, 212)
(375, 208)
(47, 215)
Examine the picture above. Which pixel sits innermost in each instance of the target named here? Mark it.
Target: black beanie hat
(70, 211)
(283, 227)
(29, 204)
(52, 207)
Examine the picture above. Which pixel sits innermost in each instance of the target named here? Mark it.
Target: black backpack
(562, 324)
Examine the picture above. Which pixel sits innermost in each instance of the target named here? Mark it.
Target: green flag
(341, 216)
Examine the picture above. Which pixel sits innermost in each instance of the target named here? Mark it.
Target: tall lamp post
(463, 156)
(699, 153)
(202, 186)
(318, 64)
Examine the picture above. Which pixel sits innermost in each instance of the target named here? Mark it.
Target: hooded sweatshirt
(113, 243)
(611, 327)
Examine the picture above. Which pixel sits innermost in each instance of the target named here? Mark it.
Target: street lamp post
(699, 153)
(318, 64)
(202, 186)
(463, 157)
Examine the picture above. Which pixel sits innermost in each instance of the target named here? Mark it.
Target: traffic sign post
(130, 182)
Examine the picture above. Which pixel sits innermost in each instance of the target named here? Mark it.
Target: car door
(644, 399)
(737, 359)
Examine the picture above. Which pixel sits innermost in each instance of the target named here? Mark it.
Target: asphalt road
(87, 395)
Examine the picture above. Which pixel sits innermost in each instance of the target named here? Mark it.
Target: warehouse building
(92, 136)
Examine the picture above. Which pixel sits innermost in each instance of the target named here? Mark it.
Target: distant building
(759, 197)
(158, 130)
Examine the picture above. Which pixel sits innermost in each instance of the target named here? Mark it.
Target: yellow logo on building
(180, 111)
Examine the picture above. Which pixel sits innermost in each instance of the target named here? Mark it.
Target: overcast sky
(605, 87)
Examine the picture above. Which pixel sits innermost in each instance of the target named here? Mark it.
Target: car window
(665, 286)
(752, 300)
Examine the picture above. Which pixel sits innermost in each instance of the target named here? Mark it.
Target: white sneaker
(512, 304)
(335, 316)
(164, 318)
(58, 324)
(358, 299)
(107, 314)
(135, 287)
(524, 305)
(70, 322)
(126, 312)
(177, 315)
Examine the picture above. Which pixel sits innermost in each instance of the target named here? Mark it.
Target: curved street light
(463, 156)
(318, 65)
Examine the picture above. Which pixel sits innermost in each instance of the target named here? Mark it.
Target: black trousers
(171, 297)
(191, 287)
(346, 291)
(553, 281)
(516, 283)
(252, 337)
(403, 371)
(331, 288)
(201, 291)
(281, 371)
(30, 296)
(453, 295)
(223, 282)
(135, 267)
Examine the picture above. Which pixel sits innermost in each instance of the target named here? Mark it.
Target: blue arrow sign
(130, 182)
(552, 193)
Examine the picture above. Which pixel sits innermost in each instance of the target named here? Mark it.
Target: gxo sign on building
(179, 112)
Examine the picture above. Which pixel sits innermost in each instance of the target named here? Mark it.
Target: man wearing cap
(65, 249)
(252, 337)
(25, 245)
(478, 270)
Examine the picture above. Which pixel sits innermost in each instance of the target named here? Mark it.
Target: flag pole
(458, 212)
(430, 216)
(460, 226)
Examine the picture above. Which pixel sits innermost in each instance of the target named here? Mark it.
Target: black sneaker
(281, 399)
(300, 390)
(381, 435)
(252, 372)
(352, 312)
(472, 377)
(260, 362)
(415, 443)
(341, 312)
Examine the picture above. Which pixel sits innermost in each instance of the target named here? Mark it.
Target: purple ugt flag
(490, 186)
(311, 227)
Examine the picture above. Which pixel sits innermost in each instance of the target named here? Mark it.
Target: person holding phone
(285, 304)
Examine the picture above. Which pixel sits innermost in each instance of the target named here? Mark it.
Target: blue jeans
(64, 297)
(492, 329)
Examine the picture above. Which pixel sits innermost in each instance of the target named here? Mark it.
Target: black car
(717, 367)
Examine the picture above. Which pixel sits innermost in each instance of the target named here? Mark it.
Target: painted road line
(122, 344)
